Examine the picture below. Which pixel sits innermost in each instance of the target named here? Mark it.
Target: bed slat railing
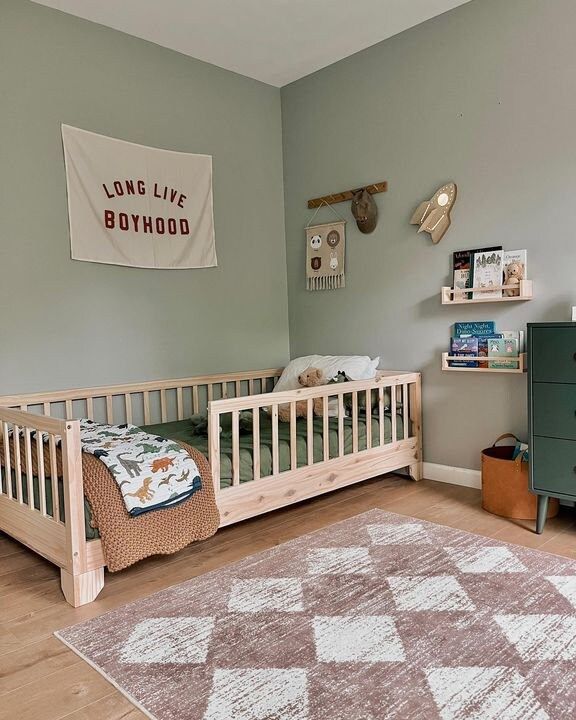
(293, 438)
(310, 430)
(255, 447)
(388, 398)
(144, 403)
(27, 475)
(29, 493)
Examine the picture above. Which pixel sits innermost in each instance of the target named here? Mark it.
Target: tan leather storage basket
(505, 484)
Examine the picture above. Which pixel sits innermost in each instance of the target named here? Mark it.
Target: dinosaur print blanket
(150, 471)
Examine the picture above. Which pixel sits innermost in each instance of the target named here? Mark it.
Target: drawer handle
(574, 356)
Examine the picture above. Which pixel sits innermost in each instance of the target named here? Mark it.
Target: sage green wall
(484, 95)
(69, 324)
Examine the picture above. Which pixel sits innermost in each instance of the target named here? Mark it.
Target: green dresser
(552, 412)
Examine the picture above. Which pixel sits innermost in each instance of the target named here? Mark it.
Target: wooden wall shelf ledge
(520, 361)
(455, 296)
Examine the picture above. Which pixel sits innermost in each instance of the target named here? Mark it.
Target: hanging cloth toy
(325, 253)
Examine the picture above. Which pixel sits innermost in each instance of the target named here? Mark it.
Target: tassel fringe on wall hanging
(325, 254)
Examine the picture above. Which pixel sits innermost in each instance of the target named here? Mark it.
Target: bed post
(80, 585)
(214, 447)
(415, 402)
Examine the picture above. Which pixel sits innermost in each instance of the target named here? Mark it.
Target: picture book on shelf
(461, 347)
(517, 335)
(492, 349)
(515, 256)
(475, 252)
(463, 269)
(514, 264)
(487, 273)
(483, 348)
(461, 261)
(480, 327)
(503, 354)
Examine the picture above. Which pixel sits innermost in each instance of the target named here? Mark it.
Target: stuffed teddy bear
(513, 273)
(312, 377)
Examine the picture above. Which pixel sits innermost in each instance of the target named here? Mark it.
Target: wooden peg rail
(373, 188)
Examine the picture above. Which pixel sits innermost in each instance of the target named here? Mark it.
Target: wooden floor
(40, 679)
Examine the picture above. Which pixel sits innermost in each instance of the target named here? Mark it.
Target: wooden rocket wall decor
(433, 215)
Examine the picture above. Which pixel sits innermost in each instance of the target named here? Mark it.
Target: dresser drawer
(554, 410)
(553, 465)
(553, 355)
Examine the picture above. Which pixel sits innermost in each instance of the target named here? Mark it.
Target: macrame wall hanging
(325, 253)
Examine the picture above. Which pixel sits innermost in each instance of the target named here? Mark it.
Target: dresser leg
(542, 512)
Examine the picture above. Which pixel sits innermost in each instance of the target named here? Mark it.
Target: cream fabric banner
(134, 205)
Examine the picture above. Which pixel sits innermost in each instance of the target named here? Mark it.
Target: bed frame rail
(145, 403)
(46, 512)
(390, 394)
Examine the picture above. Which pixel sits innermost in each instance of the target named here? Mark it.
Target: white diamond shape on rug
(360, 638)
(247, 694)
(339, 561)
(398, 534)
(484, 693)
(540, 637)
(256, 595)
(566, 585)
(438, 593)
(178, 640)
(485, 560)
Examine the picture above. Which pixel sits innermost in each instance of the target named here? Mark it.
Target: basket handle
(518, 459)
(502, 437)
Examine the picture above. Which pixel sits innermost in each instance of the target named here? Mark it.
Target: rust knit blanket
(126, 539)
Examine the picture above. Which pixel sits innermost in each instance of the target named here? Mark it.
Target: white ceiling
(275, 41)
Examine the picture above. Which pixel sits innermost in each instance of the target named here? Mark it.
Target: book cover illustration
(480, 250)
(462, 347)
(517, 335)
(503, 354)
(487, 273)
(514, 267)
(483, 348)
(462, 260)
(480, 327)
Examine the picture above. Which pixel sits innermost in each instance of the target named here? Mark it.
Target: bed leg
(415, 404)
(82, 589)
(415, 471)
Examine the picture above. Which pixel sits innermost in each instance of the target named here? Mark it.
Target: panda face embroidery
(333, 238)
(316, 263)
(315, 242)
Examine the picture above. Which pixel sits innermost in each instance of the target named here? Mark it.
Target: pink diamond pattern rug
(379, 617)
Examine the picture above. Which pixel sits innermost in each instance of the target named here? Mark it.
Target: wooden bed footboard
(42, 504)
(39, 509)
(51, 521)
(393, 395)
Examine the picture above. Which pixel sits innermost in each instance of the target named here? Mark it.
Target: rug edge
(107, 677)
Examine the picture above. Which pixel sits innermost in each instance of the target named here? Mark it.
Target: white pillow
(356, 367)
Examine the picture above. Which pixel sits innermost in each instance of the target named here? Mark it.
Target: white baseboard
(452, 475)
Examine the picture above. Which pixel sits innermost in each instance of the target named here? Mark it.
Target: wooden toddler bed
(274, 466)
